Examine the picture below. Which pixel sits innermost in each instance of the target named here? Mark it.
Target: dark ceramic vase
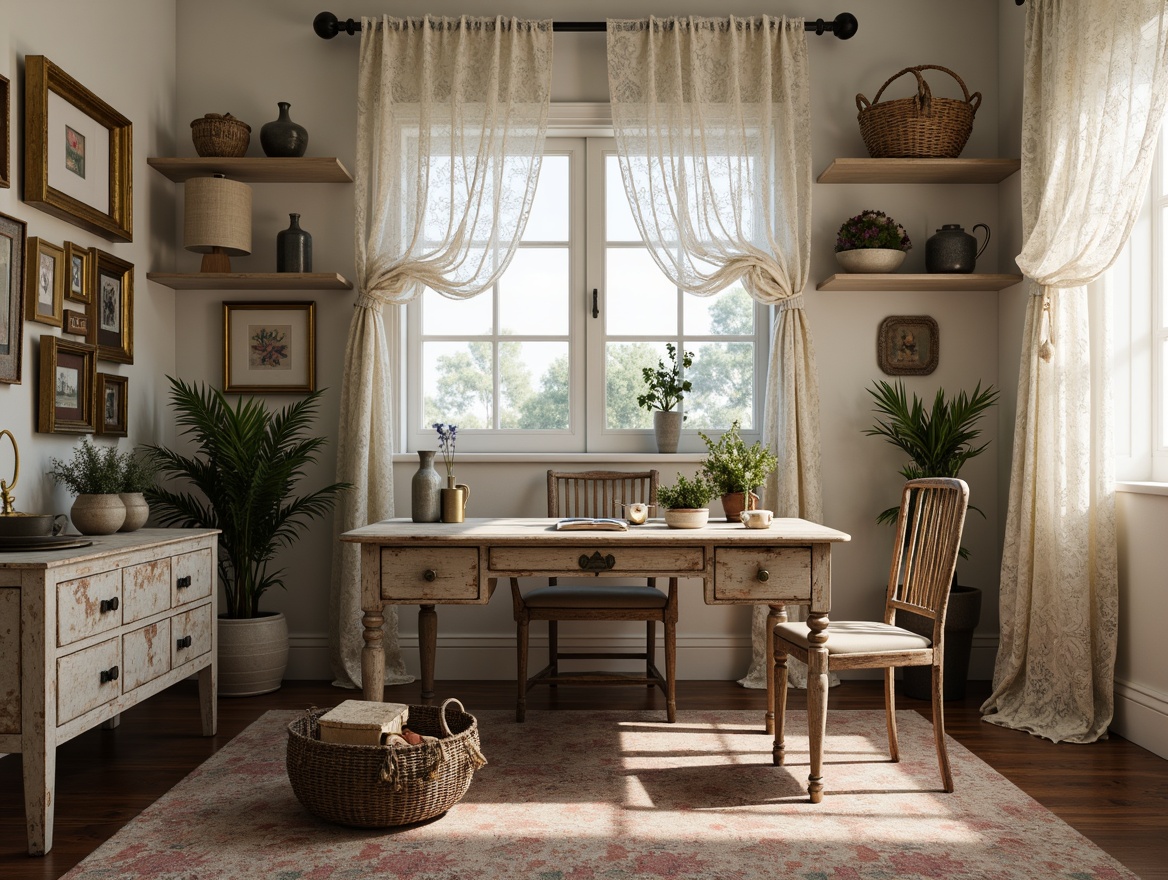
(293, 248)
(282, 136)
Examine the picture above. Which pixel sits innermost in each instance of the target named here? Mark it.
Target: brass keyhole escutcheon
(430, 575)
(763, 575)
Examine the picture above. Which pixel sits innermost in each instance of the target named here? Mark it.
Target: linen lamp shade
(217, 220)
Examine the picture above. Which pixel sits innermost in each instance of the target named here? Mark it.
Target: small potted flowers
(455, 495)
(871, 242)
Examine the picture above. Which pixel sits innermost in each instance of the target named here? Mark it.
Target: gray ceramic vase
(293, 248)
(426, 490)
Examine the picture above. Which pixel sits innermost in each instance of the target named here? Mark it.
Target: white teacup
(756, 519)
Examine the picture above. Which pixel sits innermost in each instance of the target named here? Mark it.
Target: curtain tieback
(791, 302)
(1046, 325)
(366, 300)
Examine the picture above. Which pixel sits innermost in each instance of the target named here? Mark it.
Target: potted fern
(735, 470)
(938, 441)
(94, 476)
(244, 469)
(686, 502)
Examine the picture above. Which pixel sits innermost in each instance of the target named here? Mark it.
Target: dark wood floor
(1113, 792)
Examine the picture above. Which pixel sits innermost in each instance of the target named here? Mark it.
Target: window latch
(595, 307)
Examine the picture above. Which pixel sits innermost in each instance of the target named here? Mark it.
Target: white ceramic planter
(253, 654)
(870, 260)
(687, 517)
(137, 511)
(97, 514)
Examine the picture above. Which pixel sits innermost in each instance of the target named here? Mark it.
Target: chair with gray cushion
(597, 494)
(924, 557)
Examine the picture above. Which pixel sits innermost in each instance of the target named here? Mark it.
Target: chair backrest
(928, 539)
(598, 493)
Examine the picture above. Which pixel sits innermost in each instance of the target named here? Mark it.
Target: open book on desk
(602, 523)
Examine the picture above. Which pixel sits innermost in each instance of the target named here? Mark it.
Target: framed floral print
(78, 153)
(44, 289)
(11, 297)
(269, 348)
(112, 405)
(908, 345)
(67, 387)
(111, 311)
(79, 278)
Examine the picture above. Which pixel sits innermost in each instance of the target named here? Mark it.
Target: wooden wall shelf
(251, 280)
(893, 281)
(919, 170)
(301, 169)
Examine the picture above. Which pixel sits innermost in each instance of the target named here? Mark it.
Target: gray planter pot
(253, 654)
(960, 621)
(97, 514)
(667, 429)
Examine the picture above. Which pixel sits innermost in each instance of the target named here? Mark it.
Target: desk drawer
(145, 654)
(625, 559)
(80, 608)
(429, 574)
(194, 625)
(80, 685)
(748, 574)
(192, 577)
(146, 589)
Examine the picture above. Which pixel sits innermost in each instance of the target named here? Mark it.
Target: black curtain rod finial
(326, 25)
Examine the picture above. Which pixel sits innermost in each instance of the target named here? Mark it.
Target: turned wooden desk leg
(816, 701)
(373, 657)
(428, 648)
(776, 615)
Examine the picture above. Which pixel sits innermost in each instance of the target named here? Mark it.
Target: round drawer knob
(763, 575)
(430, 574)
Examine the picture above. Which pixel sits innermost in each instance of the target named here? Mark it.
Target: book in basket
(363, 722)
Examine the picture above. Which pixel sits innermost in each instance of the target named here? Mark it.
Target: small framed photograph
(79, 281)
(12, 233)
(78, 153)
(111, 311)
(269, 348)
(5, 128)
(76, 323)
(67, 387)
(112, 405)
(44, 289)
(908, 345)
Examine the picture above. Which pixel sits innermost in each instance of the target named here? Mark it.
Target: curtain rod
(843, 26)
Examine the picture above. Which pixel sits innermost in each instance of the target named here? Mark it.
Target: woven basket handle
(924, 97)
(446, 731)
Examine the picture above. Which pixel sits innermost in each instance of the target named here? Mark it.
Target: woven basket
(220, 135)
(381, 786)
(920, 127)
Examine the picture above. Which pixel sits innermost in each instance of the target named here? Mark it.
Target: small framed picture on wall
(44, 289)
(112, 404)
(908, 345)
(66, 392)
(79, 262)
(111, 311)
(5, 123)
(269, 348)
(11, 284)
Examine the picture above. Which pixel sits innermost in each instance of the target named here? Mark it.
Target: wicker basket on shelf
(382, 786)
(920, 127)
(220, 135)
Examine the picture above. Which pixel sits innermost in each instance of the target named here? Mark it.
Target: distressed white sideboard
(89, 632)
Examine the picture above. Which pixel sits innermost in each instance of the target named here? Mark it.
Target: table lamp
(217, 221)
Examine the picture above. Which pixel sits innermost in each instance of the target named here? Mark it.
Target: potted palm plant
(735, 470)
(666, 390)
(245, 466)
(938, 441)
(686, 502)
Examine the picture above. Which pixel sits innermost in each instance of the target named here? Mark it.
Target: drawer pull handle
(183, 582)
(763, 575)
(596, 562)
(108, 675)
(109, 604)
(430, 575)
(184, 642)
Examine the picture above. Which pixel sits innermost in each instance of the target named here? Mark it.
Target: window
(550, 359)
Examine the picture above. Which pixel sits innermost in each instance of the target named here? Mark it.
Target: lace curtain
(713, 129)
(1093, 100)
(451, 118)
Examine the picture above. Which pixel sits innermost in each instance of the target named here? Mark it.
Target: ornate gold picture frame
(79, 276)
(111, 310)
(67, 392)
(12, 235)
(112, 405)
(908, 345)
(44, 288)
(269, 347)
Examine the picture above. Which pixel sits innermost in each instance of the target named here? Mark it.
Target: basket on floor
(920, 127)
(380, 786)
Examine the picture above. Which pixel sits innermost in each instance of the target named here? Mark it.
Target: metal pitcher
(953, 250)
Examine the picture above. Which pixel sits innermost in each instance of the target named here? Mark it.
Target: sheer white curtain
(713, 127)
(451, 118)
(1095, 84)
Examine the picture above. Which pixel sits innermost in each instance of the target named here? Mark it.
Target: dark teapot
(953, 250)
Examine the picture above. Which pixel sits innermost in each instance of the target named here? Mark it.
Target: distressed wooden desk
(429, 564)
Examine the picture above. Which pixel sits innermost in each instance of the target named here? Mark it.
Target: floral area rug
(573, 795)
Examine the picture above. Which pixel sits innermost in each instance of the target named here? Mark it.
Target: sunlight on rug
(572, 795)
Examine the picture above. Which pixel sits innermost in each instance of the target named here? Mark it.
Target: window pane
(533, 379)
(548, 220)
(640, 300)
(442, 316)
(623, 362)
(458, 383)
(533, 293)
(723, 385)
(729, 313)
(618, 216)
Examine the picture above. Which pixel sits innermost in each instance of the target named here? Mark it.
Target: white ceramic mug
(756, 519)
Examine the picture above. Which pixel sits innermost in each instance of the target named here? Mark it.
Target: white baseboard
(1141, 716)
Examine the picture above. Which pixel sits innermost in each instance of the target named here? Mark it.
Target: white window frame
(1159, 312)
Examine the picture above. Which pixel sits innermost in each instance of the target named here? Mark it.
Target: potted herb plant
(667, 389)
(95, 476)
(871, 242)
(686, 502)
(938, 441)
(245, 466)
(137, 478)
(735, 470)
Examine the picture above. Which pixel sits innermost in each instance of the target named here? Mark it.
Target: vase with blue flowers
(455, 495)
